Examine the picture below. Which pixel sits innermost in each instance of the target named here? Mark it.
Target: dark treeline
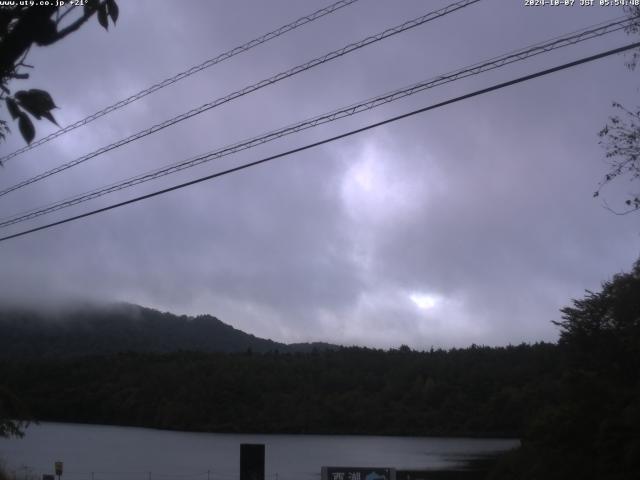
(476, 391)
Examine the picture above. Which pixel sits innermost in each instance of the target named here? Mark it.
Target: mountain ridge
(102, 329)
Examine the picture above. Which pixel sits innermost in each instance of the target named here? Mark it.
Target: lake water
(123, 453)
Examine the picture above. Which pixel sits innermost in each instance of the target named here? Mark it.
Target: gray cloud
(471, 223)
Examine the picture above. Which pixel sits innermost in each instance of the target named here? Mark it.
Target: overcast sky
(472, 223)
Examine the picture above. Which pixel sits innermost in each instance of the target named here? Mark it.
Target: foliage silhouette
(21, 27)
(591, 429)
(620, 137)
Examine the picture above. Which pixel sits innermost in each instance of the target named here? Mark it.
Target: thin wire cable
(496, 62)
(585, 34)
(252, 88)
(330, 139)
(186, 73)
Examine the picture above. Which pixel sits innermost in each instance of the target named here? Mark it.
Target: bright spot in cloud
(376, 188)
(425, 302)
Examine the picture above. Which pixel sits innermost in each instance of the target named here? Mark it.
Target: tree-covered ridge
(106, 329)
(476, 391)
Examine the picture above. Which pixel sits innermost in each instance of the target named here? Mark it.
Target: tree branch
(59, 19)
(75, 25)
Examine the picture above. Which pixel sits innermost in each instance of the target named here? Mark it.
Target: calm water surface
(125, 453)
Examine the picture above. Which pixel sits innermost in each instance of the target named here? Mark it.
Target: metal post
(208, 474)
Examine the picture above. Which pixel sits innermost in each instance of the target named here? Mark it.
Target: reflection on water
(94, 452)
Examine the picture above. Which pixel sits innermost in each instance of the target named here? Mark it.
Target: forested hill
(477, 391)
(106, 329)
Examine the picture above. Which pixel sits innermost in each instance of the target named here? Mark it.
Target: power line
(330, 139)
(186, 73)
(252, 88)
(584, 34)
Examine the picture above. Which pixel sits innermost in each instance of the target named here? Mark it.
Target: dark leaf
(49, 117)
(13, 108)
(26, 127)
(114, 11)
(102, 16)
(43, 98)
(46, 32)
(37, 102)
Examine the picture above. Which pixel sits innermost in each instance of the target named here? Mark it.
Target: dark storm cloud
(472, 223)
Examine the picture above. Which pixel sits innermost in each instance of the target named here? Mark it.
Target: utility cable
(184, 74)
(491, 64)
(330, 139)
(252, 88)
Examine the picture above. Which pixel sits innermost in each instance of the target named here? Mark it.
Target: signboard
(358, 473)
(58, 468)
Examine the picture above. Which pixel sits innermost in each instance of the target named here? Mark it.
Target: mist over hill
(101, 329)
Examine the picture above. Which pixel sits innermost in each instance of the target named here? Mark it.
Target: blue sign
(358, 473)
